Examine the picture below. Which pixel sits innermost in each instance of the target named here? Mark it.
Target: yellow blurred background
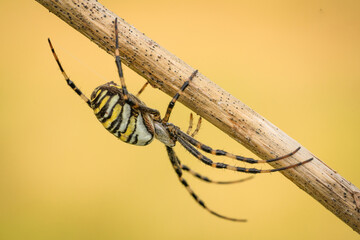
(62, 176)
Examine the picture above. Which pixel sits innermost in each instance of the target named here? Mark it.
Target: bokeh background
(62, 176)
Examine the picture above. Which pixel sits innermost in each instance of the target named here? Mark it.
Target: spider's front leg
(67, 79)
(211, 163)
(178, 169)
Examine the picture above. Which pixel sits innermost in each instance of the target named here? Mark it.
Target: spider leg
(128, 97)
(191, 122)
(191, 125)
(142, 89)
(175, 98)
(209, 162)
(118, 63)
(69, 82)
(206, 179)
(218, 152)
(175, 164)
(197, 127)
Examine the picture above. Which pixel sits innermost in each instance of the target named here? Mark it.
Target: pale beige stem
(165, 71)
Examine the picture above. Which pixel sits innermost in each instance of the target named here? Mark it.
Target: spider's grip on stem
(176, 96)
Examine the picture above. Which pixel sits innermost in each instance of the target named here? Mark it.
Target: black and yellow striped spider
(130, 120)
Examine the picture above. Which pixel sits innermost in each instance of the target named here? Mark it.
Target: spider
(129, 119)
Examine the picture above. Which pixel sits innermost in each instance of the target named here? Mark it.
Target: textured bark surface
(166, 72)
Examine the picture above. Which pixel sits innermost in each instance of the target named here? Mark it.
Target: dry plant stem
(167, 72)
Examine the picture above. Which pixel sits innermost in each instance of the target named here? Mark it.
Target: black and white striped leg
(69, 82)
(125, 93)
(118, 63)
(218, 152)
(209, 162)
(174, 163)
(175, 98)
(206, 179)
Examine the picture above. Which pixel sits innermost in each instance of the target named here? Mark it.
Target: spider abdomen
(120, 119)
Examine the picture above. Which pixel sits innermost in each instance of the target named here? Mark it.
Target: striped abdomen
(119, 118)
